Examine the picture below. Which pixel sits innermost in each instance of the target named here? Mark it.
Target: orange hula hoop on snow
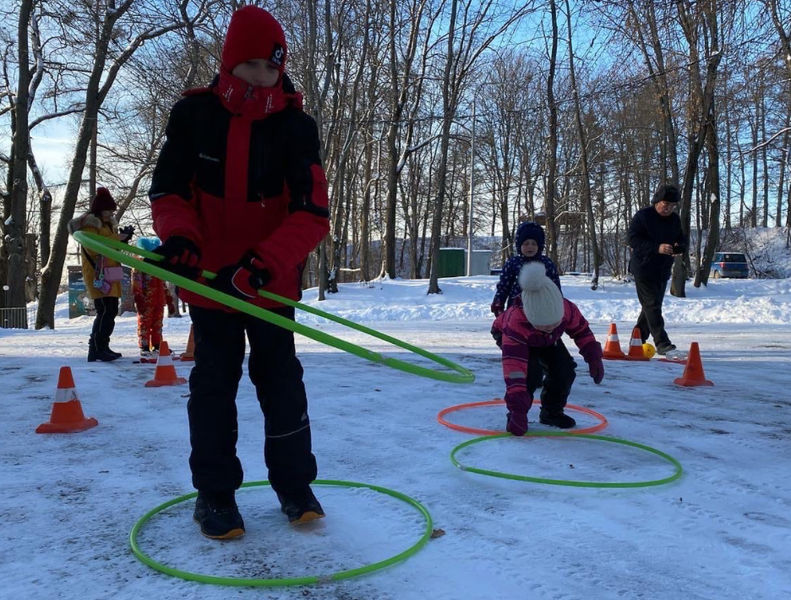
(499, 402)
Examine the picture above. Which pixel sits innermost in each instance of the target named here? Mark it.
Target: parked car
(729, 264)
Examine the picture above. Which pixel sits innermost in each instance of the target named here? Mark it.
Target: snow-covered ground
(723, 530)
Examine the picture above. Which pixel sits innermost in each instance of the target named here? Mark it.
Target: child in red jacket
(151, 296)
(239, 190)
(532, 350)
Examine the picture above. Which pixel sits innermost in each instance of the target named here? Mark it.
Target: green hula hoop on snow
(123, 253)
(568, 482)
(286, 581)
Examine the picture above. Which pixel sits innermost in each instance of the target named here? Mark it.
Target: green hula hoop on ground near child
(286, 581)
(123, 253)
(592, 484)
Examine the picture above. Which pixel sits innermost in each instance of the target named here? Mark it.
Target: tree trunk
(400, 63)
(15, 225)
(713, 238)
(447, 118)
(552, 146)
(703, 96)
(586, 186)
(365, 210)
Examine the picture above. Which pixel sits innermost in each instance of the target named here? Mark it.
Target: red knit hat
(102, 201)
(254, 33)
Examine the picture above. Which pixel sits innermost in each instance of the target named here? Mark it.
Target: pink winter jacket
(519, 336)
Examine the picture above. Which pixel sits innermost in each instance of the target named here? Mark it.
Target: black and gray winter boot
(104, 355)
(556, 418)
(218, 515)
(300, 507)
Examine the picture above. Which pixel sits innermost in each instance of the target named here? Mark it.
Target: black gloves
(243, 279)
(126, 233)
(181, 256)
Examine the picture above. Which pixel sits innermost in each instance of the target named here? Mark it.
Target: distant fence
(18, 317)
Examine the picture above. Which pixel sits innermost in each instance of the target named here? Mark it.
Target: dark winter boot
(104, 355)
(101, 350)
(556, 418)
(300, 507)
(218, 515)
(103, 342)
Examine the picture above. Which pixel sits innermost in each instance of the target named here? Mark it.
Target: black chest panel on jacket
(265, 175)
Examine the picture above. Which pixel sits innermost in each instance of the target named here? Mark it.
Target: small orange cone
(165, 373)
(612, 347)
(636, 346)
(67, 415)
(189, 353)
(693, 371)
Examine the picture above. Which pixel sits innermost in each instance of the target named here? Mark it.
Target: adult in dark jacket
(239, 189)
(655, 237)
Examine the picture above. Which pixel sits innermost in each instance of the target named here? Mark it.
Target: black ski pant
(104, 323)
(552, 369)
(651, 294)
(276, 374)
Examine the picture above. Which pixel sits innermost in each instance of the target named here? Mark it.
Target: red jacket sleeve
(308, 220)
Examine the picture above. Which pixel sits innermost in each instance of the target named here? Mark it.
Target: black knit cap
(529, 231)
(666, 191)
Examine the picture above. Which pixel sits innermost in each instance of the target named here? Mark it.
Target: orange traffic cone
(693, 371)
(612, 347)
(189, 353)
(636, 346)
(165, 373)
(67, 415)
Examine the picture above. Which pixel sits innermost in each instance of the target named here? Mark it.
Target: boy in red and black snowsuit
(239, 190)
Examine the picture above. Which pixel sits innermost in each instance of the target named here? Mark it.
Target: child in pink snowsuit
(532, 350)
(151, 295)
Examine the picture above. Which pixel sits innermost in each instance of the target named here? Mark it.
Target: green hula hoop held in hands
(125, 254)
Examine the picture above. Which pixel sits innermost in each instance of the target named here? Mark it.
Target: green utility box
(451, 262)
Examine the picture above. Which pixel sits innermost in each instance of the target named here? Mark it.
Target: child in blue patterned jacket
(529, 246)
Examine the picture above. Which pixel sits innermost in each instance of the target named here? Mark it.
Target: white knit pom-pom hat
(541, 298)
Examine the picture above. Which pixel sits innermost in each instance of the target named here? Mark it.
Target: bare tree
(15, 225)
(346, 109)
(698, 20)
(108, 59)
(401, 75)
(583, 139)
(550, 188)
(477, 30)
